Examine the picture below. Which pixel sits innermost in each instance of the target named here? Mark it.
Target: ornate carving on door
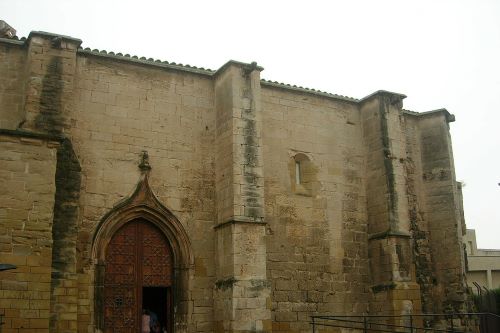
(120, 293)
(137, 256)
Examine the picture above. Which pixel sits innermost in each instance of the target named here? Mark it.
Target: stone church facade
(224, 202)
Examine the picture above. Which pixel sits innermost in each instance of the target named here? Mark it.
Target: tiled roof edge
(14, 40)
(209, 72)
(307, 90)
(449, 117)
(249, 66)
(383, 92)
(410, 112)
(146, 61)
(77, 41)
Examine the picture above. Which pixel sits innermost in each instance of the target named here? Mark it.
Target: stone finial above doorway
(144, 165)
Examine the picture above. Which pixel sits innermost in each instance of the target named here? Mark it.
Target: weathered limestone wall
(50, 66)
(317, 257)
(418, 223)
(443, 213)
(120, 110)
(391, 259)
(294, 202)
(27, 170)
(48, 99)
(242, 291)
(12, 67)
(64, 286)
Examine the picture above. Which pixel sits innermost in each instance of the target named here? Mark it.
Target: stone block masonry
(27, 182)
(389, 237)
(241, 295)
(277, 202)
(12, 92)
(317, 258)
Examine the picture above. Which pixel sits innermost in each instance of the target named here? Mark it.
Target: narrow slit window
(297, 173)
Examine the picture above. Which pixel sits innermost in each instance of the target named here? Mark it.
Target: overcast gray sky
(438, 53)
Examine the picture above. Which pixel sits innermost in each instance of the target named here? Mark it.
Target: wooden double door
(138, 276)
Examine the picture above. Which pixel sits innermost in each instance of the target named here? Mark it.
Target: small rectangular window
(297, 172)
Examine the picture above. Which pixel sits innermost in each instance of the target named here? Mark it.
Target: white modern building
(483, 265)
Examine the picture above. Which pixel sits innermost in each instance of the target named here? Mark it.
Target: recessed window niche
(302, 174)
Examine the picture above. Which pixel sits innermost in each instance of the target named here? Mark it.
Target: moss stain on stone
(389, 168)
(49, 118)
(225, 284)
(252, 204)
(65, 225)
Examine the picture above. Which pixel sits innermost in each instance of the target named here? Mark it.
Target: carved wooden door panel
(120, 282)
(137, 256)
(156, 258)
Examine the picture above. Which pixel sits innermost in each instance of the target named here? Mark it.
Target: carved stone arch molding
(144, 205)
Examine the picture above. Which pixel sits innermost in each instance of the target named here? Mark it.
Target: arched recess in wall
(142, 207)
(302, 174)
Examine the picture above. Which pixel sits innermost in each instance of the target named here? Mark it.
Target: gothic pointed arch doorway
(138, 277)
(142, 260)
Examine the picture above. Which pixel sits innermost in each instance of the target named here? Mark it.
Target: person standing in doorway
(146, 321)
(153, 320)
(156, 328)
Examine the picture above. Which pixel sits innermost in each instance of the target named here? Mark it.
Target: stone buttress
(414, 209)
(394, 288)
(50, 71)
(242, 291)
(47, 99)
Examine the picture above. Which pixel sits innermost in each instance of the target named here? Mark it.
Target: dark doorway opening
(157, 300)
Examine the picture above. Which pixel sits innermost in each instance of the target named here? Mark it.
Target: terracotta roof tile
(308, 90)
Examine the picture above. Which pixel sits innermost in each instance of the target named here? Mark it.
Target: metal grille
(415, 323)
